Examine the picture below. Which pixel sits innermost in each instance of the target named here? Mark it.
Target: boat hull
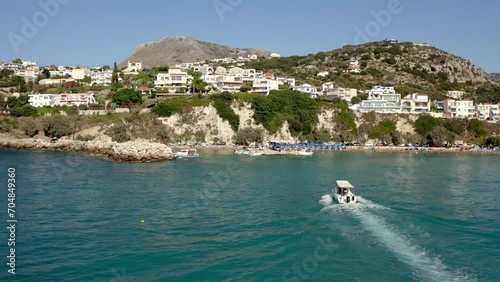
(350, 198)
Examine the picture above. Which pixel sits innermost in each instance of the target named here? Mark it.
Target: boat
(248, 152)
(256, 153)
(342, 192)
(187, 153)
(305, 152)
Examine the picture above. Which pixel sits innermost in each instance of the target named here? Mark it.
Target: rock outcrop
(133, 151)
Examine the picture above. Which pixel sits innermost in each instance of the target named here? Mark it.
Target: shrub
(297, 108)
(225, 111)
(126, 96)
(86, 137)
(6, 125)
(119, 133)
(24, 111)
(425, 124)
(248, 135)
(71, 111)
(390, 60)
(168, 107)
(57, 126)
(29, 128)
(162, 135)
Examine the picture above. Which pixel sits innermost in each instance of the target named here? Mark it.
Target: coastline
(375, 149)
(132, 151)
(147, 151)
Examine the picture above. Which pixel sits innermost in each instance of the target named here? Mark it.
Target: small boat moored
(342, 192)
(187, 153)
(305, 152)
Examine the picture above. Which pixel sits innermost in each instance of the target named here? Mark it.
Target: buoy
(142, 220)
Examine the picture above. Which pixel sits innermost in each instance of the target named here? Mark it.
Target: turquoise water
(223, 217)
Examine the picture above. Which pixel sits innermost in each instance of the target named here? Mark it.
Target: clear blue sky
(99, 32)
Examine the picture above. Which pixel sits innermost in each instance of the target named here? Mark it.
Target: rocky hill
(495, 77)
(407, 66)
(174, 50)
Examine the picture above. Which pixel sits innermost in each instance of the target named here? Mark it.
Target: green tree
(71, 111)
(246, 88)
(24, 111)
(249, 135)
(455, 125)
(355, 100)
(198, 84)
(114, 76)
(57, 126)
(126, 96)
(6, 73)
(29, 128)
(477, 128)
(17, 61)
(46, 73)
(6, 125)
(425, 124)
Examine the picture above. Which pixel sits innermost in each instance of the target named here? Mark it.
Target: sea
(225, 217)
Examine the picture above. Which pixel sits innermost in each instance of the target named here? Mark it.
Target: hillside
(408, 67)
(174, 50)
(495, 77)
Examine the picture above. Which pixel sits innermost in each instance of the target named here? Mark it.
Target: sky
(100, 32)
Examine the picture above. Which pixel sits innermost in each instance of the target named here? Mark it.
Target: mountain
(407, 66)
(174, 50)
(495, 77)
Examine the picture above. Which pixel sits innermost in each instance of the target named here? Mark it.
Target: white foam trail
(326, 200)
(369, 204)
(426, 268)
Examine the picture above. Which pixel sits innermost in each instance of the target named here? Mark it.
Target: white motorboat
(305, 152)
(256, 153)
(342, 192)
(248, 152)
(187, 153)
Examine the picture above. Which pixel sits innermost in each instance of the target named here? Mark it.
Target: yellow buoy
(142, 220)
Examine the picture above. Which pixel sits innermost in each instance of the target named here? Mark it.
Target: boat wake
(425, 267)
(362, 204)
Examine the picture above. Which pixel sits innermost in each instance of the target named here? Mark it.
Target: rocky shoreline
(132, 151)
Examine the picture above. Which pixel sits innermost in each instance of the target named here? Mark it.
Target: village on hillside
(179, 80)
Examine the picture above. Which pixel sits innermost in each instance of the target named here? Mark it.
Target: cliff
(137, 151)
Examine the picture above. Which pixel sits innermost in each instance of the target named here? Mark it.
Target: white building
(382, 103)
(43, 100)
(457, 95)
(308, 89)
(327, 86)
(488, 111)
(101, 77)
(343, 93)
(133, 66)
(77, 99)
(80, 73)
(323, 73)
(459, 109)
(28, 64)
(264, 86)
(175, 80)
(376, 91)
(286, 80)
(275, 55)
(416, 103)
